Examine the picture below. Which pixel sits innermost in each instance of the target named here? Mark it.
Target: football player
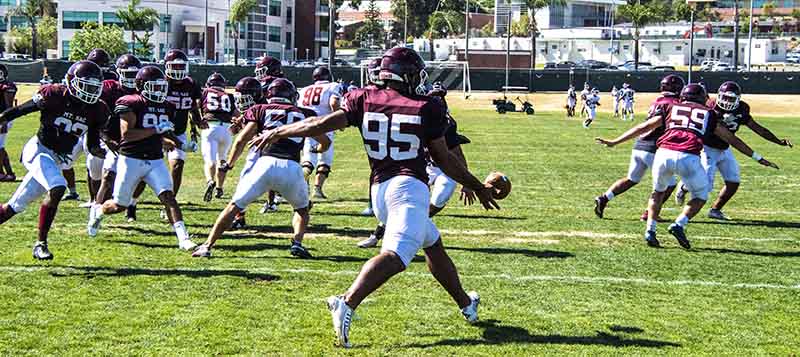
(127, 67)
(247, 93)
(276, 169)
(627, 95)
(615, 96)
(399, 179)
(585, 93)
(322, 98)
(146, 127)
(218, 110)
(572, 99)
(8, 90)
(101, 58)
(717, 155)
(373, 82)
(68, 111)
(644, 150)
(685, 124)
(267, 69)
(592, 102)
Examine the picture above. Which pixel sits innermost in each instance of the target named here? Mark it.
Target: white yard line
(505, 277)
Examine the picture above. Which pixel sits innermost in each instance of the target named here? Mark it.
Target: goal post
(452, 74)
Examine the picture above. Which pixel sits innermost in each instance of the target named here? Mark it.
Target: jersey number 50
(215, 102)
(387, 129)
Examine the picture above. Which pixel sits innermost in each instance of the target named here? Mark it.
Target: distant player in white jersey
(592, 102)
(615, 97)
(584, 95)
(323, 98)
(627, 100)
(572, 99)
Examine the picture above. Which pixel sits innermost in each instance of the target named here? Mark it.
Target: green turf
(579, 286)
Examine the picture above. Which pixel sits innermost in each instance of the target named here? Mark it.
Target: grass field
(553, 278)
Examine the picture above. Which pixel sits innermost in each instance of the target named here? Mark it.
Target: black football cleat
(239, 223)
(219, 193)
(71, 196)
(130, 213)
(299, 251)
(209, 194)
(40, 251)
(600, 203)
(650, 239)
(677, 231)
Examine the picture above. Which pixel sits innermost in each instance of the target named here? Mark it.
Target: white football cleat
(186, 244)
(342, 316)
(367, 211)
(370, 242)
(202, 251)
(717, 214)
(94, 225)
(470, 312)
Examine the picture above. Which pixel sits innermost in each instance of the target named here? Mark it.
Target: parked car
(722, 67)
(708, 64)
(664, 68)
(793, 57)
(631, 66)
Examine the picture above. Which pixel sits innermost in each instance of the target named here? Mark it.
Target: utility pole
(169, 28)
(405, 23)
(466, 32)
(735, 35)
(750, 39)
(331, 35)
(691, 43)
(508, 50)
(205, 35)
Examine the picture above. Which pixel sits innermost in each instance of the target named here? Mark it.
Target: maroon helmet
(374, 71)
(127, 67)
(321, 73)
(100, 57)
(84, 80)
(282, 88)
(729, 96)
(404, 65)
(672, 84)
(268, 66)
(248, 93)
(152, 84)
(216, 80)
(176, 64)
(694, 92)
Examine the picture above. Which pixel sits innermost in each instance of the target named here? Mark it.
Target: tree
(143, 47)
(796, 16)
(92, 35)
(371, 30)
(521, 27)
(22, 37)
(32, 10)
(238, 15)
(420, 11)
(533, 7)
(135, 19)
(640, 16)
(768, 9)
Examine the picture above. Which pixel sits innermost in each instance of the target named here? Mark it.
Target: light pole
(331, 35)
(466, 33)
(735, 35)
(205, 34)
(691, 43)
(405, 22)
(750, 39)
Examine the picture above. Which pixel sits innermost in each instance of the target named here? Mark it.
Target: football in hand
(500, 183)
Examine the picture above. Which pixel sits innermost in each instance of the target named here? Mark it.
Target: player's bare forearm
(18, 111)
(313, 126)
(127, 126)
(729, 138)
(651, 124)
(324, 143)
(93, 142)
(459, 155)
(767, 134)
(241, 142)
(451, 166)
(175, 141)
(9, 98)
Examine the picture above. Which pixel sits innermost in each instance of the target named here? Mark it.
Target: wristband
(756, 156)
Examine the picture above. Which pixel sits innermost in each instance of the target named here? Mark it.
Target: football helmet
(404, 65)
(3, 72)
(595, 91)
(268, 66)
(729, 96)
(100, 57)
(176, 64)
(152, 84)
(374, 72)
(127, 67)
(282, 88)
(625, 85)
(586, 86)
(694, 93)
(248, 93)
(437, 90)
(671, 84)
(84, 80)
(216, 80)
(321, 73)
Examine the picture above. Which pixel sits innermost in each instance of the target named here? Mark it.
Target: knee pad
(323, 170)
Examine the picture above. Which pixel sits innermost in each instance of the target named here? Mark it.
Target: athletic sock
(72, 190)
(180, 230)
(6, 212)
(609, 195)
(46, 216)
(682, 220)
(651, 224)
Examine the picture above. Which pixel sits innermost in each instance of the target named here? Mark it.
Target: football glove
(189, 146)
(164, 126)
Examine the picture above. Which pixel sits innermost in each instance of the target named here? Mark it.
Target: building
(270, 30)
(782, 7)
(576, 13)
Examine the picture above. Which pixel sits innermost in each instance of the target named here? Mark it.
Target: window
(166, 23)
(64, 48)
(678, 48)
(274, 8)
(76, 19)
(274, 54)
(274, 34)
(3, 24)
(581, 50)
(110, 18)
(288, 15)
(8, 2)
(19, 21)
(288, 42)
(626, 47)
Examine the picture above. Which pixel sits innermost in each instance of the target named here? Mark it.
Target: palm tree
(533, 7)
(238, 15)
(31, 10)
(135, 19)
(640, 16)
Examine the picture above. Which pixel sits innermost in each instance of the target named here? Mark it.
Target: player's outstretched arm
(767, 134)
(324, 144)
(310, 127)
(453, 168)
(740, 145)
(651, 124)
(18, 111)
(93, 141)
(239, 144)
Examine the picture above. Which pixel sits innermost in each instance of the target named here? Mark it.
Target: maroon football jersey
(112, 91)
(647, 142)
(685, 125)
(5, 88)
(64, 118)
(270, 116)
(265, 85)
(217, 105)
(395, 128)
(148, 115)
(183, 95)
(731, 119)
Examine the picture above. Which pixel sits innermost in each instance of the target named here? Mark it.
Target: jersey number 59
(688, 118)
(387, 129)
